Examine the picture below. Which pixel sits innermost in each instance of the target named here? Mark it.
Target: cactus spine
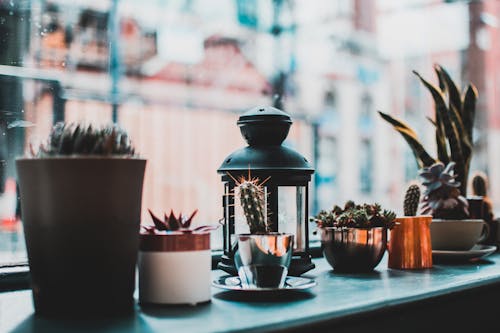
(252, 200)
(78, 139)
(412, 199)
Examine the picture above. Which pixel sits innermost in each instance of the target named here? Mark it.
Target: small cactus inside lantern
(253, 201)
(412, 199)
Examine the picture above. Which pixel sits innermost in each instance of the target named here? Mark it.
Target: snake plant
(453, 123)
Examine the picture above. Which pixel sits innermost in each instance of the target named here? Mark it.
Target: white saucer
(229, 282)
(478, 251)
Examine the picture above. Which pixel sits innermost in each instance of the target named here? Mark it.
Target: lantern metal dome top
(265, 129)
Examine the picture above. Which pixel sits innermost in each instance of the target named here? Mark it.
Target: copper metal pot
(410, 243)
(353, 249)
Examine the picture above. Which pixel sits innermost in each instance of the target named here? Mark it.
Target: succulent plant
(453, 123)
(412, 200)
(356, 216)
(76, 139)
(175, 223)
(442, 197)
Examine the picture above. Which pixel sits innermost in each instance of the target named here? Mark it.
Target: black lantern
(287, 189)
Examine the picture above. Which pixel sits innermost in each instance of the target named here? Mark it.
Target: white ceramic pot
(175, 268)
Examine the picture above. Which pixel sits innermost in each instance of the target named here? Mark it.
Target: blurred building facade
(185, 71)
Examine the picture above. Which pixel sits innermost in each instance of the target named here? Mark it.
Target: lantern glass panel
(291, 213)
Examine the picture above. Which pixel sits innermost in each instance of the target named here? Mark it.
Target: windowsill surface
(336, 296)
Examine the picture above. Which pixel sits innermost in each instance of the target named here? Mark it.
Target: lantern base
(301, 263)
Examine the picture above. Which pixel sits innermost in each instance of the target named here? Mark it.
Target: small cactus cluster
(252, 200)
(172, 222)
(442, 198)
(76, 139)
(356, 216)
(412, 200)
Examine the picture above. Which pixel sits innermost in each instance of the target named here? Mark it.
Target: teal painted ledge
(343, 301)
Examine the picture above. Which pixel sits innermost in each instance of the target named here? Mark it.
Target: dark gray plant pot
(81, 220)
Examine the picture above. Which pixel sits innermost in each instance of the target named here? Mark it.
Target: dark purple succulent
(176, 223)
(442, 198)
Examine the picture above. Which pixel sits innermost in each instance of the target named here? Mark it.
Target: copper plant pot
(81, 219)
(410, 243)
(352, 250)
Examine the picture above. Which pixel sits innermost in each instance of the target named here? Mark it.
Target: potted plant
(481, 206)
(354, 238)
(453, 123)
(175, 261)
(410, 239)
(81, 194)
(263, 257)
(451, 227)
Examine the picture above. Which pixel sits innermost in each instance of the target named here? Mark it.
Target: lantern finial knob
(264, 125)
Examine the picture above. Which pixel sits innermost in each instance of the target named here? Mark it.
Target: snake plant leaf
(466, 144)
(469, 109)
(457, 155)
(396, 122)
(442, 148)
(453, 92)
(442, 84)
(450, 128)
(421, 155)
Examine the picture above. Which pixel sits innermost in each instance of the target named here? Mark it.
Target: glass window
(177, 74)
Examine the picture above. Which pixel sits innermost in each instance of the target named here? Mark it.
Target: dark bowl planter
(81, 220)
(353, 250)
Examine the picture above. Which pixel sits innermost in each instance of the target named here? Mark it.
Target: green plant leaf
(442, 148)
(421, 155)
(469, 109)
(450, 128)
(453, 92)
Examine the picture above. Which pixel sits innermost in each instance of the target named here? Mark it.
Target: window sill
(447, 297)
(16, 276)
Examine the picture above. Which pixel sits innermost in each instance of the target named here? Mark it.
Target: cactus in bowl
(86, 181)
(412, 200)
(77, 139)
(453, 123)
(442, 198)
(263, 256)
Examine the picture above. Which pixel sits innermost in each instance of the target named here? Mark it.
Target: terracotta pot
(175, 268)
(81, 220)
